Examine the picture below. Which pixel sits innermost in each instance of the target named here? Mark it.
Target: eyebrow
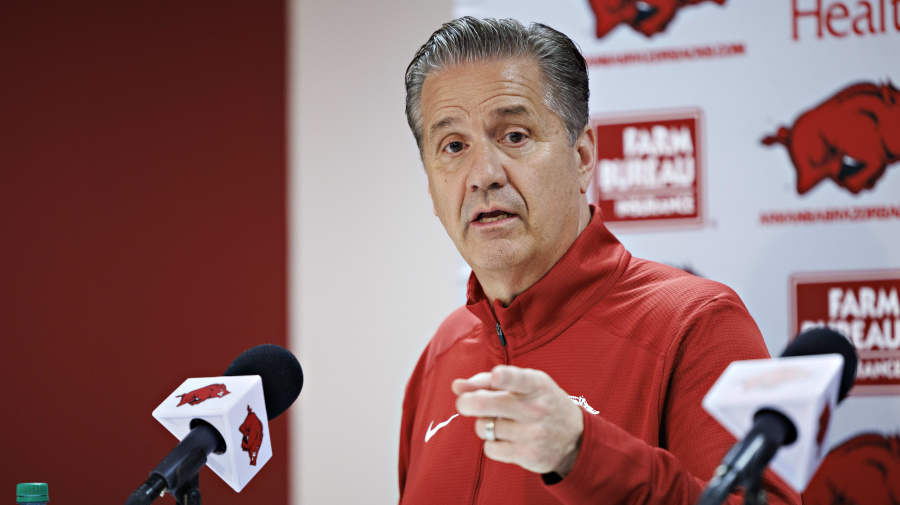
(443, 123)
(513, 110)
(496, 114)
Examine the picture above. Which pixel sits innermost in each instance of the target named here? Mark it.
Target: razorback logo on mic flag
(864, 469)
(649, 168)
(850, 138)
(648, 17)
(252, 431)
(824, 423)
(200, 395)
(240, 417)
(864, 307)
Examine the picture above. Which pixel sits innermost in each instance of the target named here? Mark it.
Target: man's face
(503, 179)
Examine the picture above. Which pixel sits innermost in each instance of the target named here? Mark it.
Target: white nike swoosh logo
(430, 433)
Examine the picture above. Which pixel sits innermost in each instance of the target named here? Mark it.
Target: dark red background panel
(142, 229)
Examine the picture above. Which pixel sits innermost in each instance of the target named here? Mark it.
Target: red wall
(142, 229)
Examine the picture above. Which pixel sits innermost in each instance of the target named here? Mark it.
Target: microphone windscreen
(827, 341)
(282, 377)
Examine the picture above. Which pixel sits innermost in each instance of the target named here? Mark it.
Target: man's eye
(454, 147)
(515, 137)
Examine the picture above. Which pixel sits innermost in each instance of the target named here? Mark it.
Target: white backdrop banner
(757, 143)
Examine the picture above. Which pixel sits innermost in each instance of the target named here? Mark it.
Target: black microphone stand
(747, 472)
(745, 462)
(189, 493)
(179, 472)
(754, 494)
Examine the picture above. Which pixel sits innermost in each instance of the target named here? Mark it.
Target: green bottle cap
(31, 492)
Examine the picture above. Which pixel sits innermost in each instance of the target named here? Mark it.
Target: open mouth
(490, 217)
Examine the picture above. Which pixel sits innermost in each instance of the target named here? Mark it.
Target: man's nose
(486, 170)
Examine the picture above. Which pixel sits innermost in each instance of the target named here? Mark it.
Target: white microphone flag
(235, 406)
(803, 388)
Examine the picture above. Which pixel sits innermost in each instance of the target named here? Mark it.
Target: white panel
(372, 271)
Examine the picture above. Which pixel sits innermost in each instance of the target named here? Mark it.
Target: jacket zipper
(478, 482)
(501, 335)
(503, 342)
(502, 338)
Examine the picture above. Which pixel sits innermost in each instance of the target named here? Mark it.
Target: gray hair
(469, 40)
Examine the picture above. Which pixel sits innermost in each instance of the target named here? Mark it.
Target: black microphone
(282, 380)
(772, 429)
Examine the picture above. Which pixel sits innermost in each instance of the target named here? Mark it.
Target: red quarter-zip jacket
(637, 342)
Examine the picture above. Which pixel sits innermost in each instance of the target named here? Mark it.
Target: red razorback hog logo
(774, 378)
(849, 138)
(202, 394)
(646, 16)
(824, 421)
(252, 430)
(864, 469)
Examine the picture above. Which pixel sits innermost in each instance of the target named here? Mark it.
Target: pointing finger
(522, 381)
(486, 403)
(474, 383)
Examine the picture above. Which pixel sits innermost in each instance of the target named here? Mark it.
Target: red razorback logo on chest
(850, 138)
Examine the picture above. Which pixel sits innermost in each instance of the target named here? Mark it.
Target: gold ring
(489, 431)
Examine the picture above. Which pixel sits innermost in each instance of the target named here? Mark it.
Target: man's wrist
(565, 466)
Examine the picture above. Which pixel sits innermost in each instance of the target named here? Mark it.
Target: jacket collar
(584, 274)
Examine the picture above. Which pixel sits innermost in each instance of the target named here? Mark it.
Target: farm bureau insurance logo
(649, 168)
(850, 138)
(865, 307)
(648, 17)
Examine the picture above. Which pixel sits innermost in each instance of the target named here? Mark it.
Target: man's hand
(537, 425)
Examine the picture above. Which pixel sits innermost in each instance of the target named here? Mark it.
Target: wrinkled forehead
(496, 88)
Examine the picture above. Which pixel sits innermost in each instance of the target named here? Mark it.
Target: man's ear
(586, 152)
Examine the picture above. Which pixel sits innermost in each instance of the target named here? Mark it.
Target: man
(574, 373)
